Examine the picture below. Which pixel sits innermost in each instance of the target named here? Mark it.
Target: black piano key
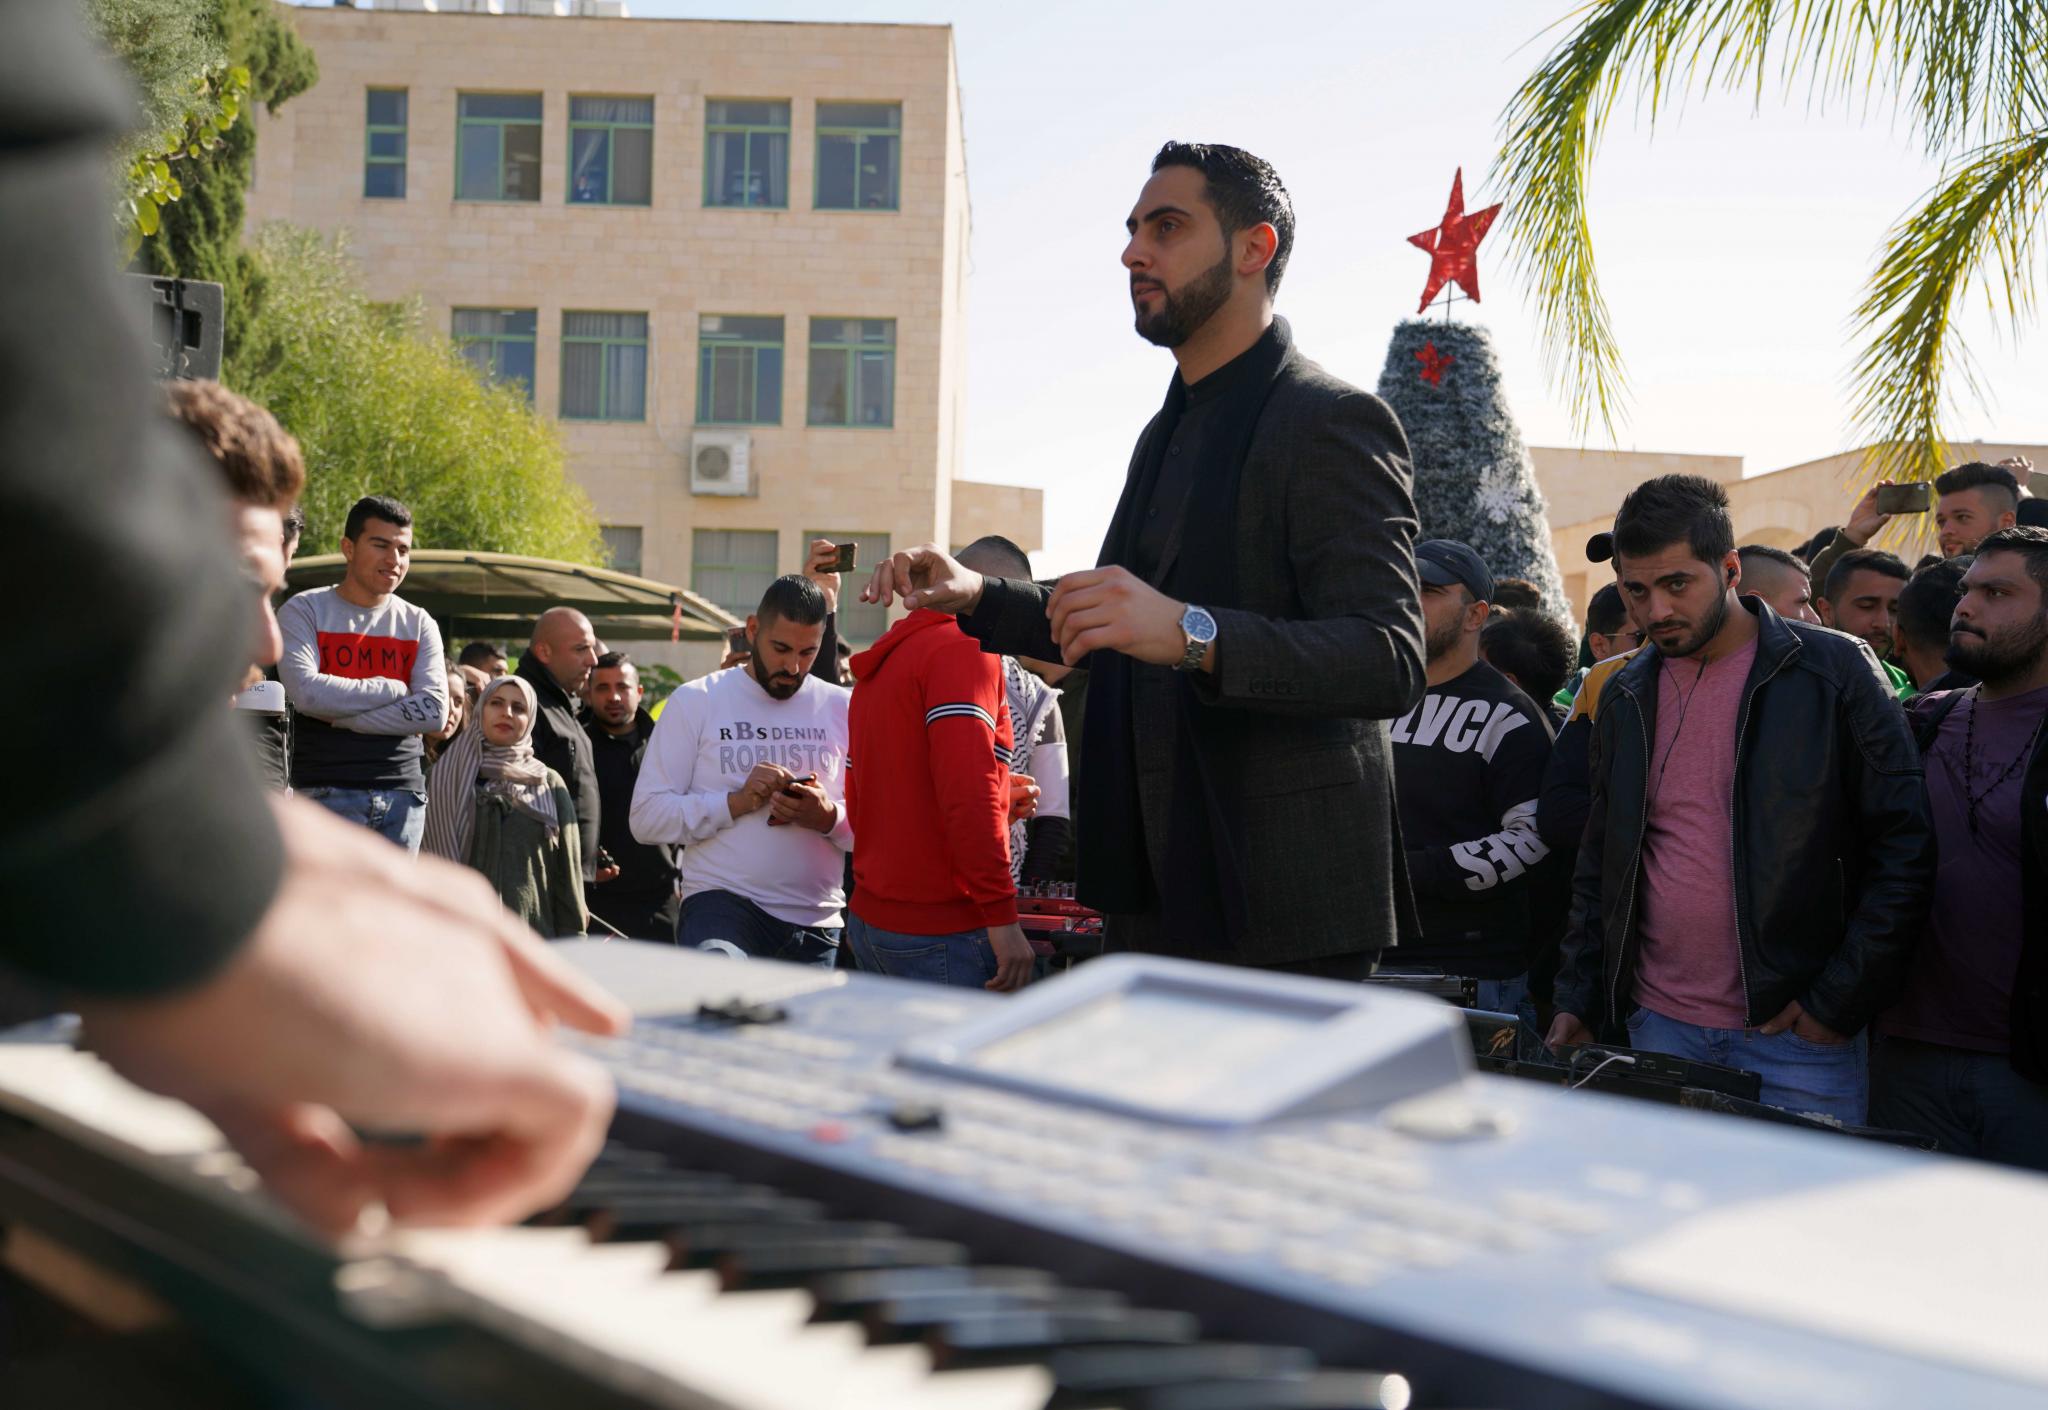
(790, 1263)
(618, 1157)
(648, 1220)
(698, 1243)
(1005, 1338)
(1104, 1375)
(848, 1296)
(911, 1318)
(1325, 1390)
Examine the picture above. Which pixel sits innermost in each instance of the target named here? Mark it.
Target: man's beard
(1442, 640)
(775, 691)
(2003, 656)
(1184, 311)
(1706, 631)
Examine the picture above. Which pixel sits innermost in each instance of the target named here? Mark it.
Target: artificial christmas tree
(1473, 478)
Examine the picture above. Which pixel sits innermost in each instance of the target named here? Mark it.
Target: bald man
(1780, 580)
(557, 662)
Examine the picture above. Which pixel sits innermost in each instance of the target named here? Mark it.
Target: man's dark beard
(775, 692)
(1996, 660)
(1184, 311)
(1704, 633)
(1441, 641)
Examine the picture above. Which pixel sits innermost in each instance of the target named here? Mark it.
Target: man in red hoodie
(929, 751)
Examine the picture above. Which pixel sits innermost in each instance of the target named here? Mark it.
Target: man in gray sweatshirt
(364, 671)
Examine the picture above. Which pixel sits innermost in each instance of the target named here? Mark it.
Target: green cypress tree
(1473, 478)
(201, 236)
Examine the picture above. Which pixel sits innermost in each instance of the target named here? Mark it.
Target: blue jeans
(1971, 1103)
(964, 959)
(394, 814)
(721, 920)
(1830, 1079)
(1512, 996)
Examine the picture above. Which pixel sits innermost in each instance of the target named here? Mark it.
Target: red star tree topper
(1453, 247)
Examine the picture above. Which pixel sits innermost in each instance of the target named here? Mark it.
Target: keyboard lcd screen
(1151, 1046)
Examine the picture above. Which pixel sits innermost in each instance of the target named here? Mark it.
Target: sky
(1733, 241)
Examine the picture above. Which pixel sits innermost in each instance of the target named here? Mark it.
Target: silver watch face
(1198, 624)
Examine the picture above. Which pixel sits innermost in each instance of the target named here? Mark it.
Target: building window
(853, 372)
(384, 144)
(860, 149)
(604, 366)
(739, 371)
(855, 621)
(498, 342)
(732, 567)
(497, 154)
(611, 151)
(746, 154)
(622, 547)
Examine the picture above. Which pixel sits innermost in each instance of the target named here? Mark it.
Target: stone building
(730, 258)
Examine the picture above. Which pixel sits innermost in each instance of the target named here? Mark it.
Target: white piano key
(92, 1101)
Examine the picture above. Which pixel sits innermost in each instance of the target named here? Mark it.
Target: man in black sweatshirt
(1468, 765)
(640, 901)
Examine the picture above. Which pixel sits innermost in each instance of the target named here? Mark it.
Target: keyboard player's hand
(383, 994)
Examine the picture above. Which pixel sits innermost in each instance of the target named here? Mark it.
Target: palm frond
(1981, 223)
(1963, 70)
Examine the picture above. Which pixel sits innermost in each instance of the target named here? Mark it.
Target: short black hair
(1515, 594)
(294, 524)
(1810, 550)
(1750, 552)
(2030, 543)
(612, 660)
(1862, 560)
(792, 598)
(1245, 191)
(1606, 613)
(999, 553)
(1532, 647)
(374, 506)
(1927, 603)
(1978, 476)
(1672, 509)
(479, 654)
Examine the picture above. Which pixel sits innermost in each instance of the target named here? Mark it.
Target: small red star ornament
(1453, 246)
(1433, 364)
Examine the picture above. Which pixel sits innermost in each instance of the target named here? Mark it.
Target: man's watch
(1200, 629)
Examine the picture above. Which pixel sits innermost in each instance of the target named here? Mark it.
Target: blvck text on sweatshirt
(711, 735)
(366, 683)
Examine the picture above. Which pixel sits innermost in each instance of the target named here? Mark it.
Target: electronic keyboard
(1145, 1183)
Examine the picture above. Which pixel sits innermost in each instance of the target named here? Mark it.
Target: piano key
(1325, 1390)
(1096, 1376)
(850, 1295)
(911, 1318)
(798, 1261)
(653, 1218)
(998, 1338)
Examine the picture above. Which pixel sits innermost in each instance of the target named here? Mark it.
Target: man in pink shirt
(1758, 859)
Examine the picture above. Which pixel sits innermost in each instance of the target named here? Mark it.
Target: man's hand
(1864, 520)
(803, 804)
(1802, 1023)
(334, 1017)
(761, 785)
(1567, 1031)
(1014, 958)
(824, 553)
(1023, 797)
(1114, 609)
(925, 576)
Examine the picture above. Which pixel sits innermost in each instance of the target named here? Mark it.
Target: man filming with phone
(1969, 502)
(746, 770)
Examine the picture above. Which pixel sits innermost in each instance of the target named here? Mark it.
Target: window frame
(638, 570)
(754, 345)
(772, 567)
(370, 132)
(463, 124)
(821, 130)
(712, 130)
(464, 341)
(604, 377)
(608, 128)
(853, 352)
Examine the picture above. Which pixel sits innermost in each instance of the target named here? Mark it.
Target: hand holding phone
(1913, 497)
(844, 557)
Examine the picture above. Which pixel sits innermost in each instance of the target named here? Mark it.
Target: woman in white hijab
(495, 807)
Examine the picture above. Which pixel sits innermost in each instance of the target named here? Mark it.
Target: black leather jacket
(1833, 844)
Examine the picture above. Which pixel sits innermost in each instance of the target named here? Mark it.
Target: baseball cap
(1445, 561)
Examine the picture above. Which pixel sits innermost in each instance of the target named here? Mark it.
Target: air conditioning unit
(720, 462)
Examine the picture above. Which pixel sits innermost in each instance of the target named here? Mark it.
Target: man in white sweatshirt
(747, 772)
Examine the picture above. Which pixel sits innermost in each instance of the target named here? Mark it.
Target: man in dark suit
(1254, 621)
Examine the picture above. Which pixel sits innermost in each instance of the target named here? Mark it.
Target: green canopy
(495, 597)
